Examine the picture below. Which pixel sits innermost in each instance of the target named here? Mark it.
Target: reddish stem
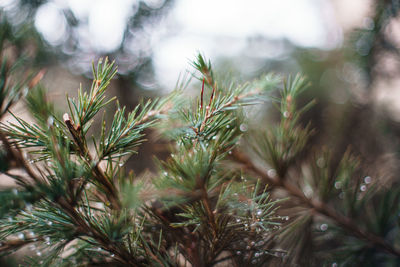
(202, 92)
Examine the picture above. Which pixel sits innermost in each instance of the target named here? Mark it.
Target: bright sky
(214, 27)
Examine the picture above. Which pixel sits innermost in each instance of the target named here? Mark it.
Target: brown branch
(16, 154)
(14, 244)
(323, 209)
(206, 202)
(201, 95)
(112, 195)
(85, 228)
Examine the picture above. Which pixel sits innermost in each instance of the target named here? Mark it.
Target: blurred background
(348, 49)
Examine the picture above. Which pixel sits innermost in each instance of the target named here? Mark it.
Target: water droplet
(21, 236)
(367, 179)
(271, 172)
(323, 227)
(120, 164)
(214, 137)
(243, 127)
(28, 207)
(286, 114)
(39, 253)
(207, 107)
(252, 243)
(363, 188)
(50, 121)
(47, 239)
(25, 91)
(230, 152)
(257, 255)
(368, 23)
(99, 249)
(338, 185)
(238, 252)
(50, 223)
(238, 220)
(112, 255)
(15, 191)
(259, 212)
(320, 162)
(228, 126)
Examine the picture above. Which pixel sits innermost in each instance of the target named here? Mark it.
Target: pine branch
(323, 209)
(16, 154)
(97, 171)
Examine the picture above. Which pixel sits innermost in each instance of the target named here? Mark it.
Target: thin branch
(85, 228)
(15, 244)
(201, 95)
(323, 209)
(19, 158)
(97, 171)
(206, 202)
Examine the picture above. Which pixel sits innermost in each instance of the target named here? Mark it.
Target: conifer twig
(97, 171)
(15, 244)
(320, 207)
(18, 157)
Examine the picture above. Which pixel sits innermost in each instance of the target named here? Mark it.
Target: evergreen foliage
(75, 205)
(226, 195)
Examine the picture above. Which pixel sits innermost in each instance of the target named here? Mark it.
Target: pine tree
(232, 192)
